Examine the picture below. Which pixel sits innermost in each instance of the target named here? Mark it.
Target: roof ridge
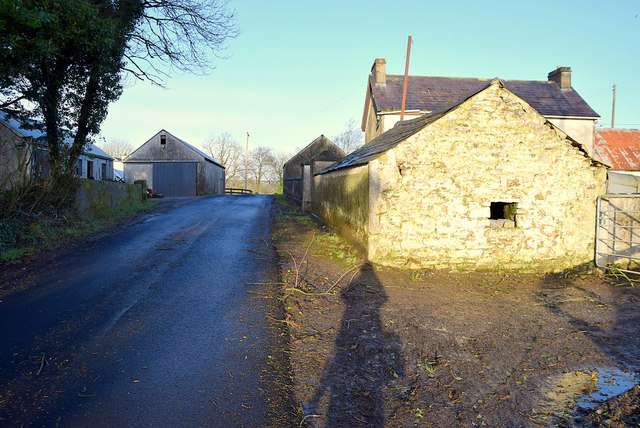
(399, 76)
(432, 93)
(405, 129)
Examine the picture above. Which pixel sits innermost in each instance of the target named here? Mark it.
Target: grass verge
(30, 234)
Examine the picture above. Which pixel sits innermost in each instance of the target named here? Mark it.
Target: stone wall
(97, 196)
(341, 199)
(431, 196)
(13, 158)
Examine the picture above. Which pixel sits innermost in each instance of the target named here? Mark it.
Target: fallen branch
(256, 292)
(41, 365)
(254, 252)
(406, 288)
(305, 292)
(265, 283)
(309, 416)
(617, 273)
(296, 265)
(338, 280)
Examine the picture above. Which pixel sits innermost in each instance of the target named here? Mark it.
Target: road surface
(163, 323)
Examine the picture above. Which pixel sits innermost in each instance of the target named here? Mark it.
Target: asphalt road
(163, 323)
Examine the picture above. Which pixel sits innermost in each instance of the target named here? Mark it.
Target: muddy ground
(380, 347)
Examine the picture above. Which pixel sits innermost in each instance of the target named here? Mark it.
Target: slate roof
(308, 154)
(403, 130)
(376, 147)
(431, 94)
(619, 148)
(37, 135)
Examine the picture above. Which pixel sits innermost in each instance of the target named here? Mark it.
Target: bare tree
(178, 35)
(117, 147)
(278, 160)
(227, 152)
(260, 165)
(62, 62)
(351, 138)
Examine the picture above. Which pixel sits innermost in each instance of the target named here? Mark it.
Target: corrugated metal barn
(299, 170)
(174, 167)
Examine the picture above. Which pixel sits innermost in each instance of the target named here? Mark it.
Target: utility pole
(406, 78)
(613, 110)
(246, 158)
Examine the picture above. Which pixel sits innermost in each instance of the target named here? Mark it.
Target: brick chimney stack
(379, 71)
(561, 76)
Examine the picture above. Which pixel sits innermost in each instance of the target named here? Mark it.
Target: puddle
(587, 389)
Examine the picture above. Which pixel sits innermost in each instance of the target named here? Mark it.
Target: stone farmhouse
(173, 167)
(486, 183)
(298, 171)
(554, 99)
(23, 155)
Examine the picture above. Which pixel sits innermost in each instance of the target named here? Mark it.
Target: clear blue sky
(299, 69)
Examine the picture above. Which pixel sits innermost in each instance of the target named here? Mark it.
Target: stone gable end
(432, 196)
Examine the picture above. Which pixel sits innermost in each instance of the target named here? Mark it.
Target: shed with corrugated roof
(298, 171)
(173, 167)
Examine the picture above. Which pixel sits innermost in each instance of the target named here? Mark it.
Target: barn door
(175, 178)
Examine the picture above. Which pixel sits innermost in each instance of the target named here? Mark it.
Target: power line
(599, 93)
(629, 103)
(312, 114)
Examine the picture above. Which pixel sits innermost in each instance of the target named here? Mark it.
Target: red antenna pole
(406, 78)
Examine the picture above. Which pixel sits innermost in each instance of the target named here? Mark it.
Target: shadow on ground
(367, 359)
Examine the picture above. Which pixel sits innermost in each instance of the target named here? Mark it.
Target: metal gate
(618, 232)
(175, 178)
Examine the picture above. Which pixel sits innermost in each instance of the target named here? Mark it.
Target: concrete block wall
(97, 196)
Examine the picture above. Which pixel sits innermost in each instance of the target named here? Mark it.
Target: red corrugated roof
(619, 148)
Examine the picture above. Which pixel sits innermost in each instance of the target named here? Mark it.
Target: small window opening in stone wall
(163, 139)
(503, 214)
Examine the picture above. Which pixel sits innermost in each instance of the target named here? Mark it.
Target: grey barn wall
(134, 171)
(319, 152)
(139, 165)
(214, 178)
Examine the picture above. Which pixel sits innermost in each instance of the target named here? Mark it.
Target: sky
(299, 69)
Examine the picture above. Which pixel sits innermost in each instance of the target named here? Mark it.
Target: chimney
(379, 71)
(561, 76)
